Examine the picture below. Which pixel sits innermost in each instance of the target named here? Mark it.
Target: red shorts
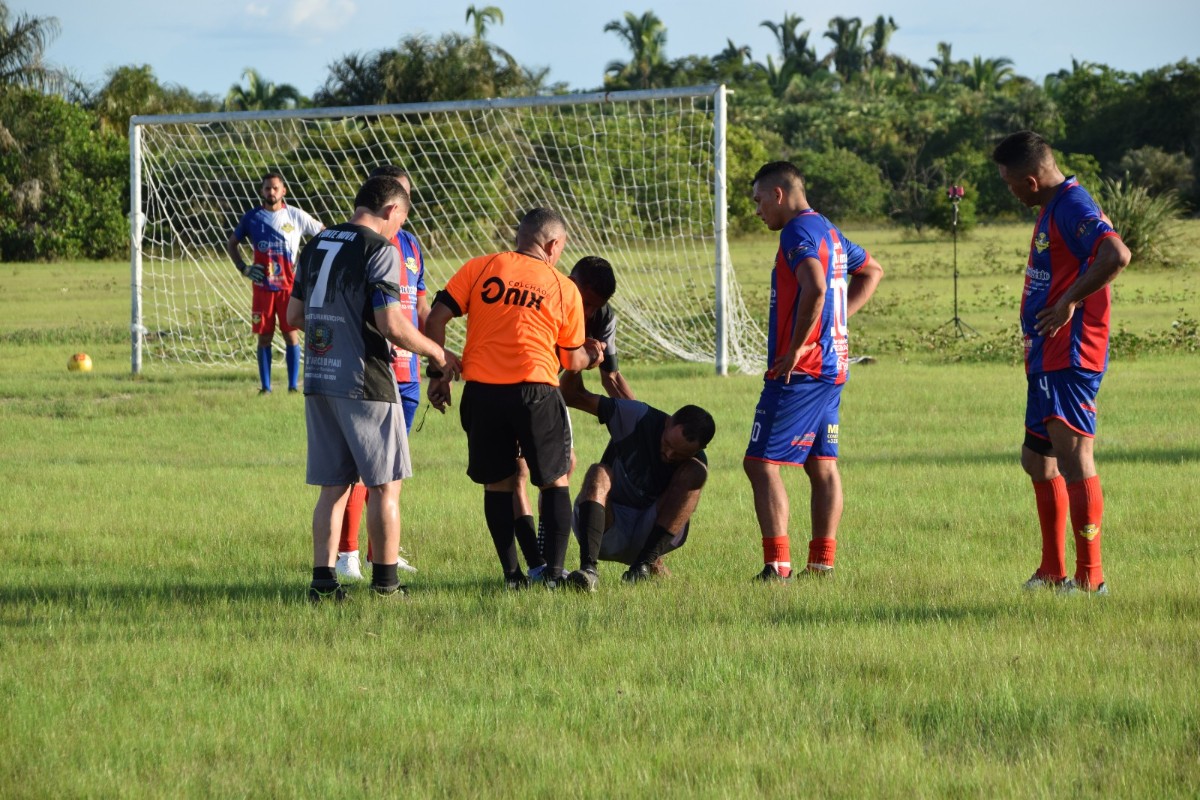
(267, 307)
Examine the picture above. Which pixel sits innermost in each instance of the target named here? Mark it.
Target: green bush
(1146, 222)
(64, 182)
(842, 186)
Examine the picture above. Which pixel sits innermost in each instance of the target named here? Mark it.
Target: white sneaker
(348, 566)
(402, 563)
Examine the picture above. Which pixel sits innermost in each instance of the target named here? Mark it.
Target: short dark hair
(391, 171)
(536, 223)
(1023, 151)
(782, 173)
(379, 192)
(596, 274)
(698, 425)
(271, 175)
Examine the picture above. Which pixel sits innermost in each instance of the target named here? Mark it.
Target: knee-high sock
(1052, 507)
(352, 519)
(590, 533)
(497, 512)
(293, 365)
(555, 511)
(527, 539)
(264, 367)
(1087, 510)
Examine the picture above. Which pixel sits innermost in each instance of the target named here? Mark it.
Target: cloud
(302, 15)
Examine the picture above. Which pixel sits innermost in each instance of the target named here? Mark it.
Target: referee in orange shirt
(524, 322)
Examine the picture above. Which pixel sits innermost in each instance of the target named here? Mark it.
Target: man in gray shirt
(347, 299)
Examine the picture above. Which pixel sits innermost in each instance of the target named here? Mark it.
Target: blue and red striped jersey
(407, 365)
(1069, 230)
(810, 235)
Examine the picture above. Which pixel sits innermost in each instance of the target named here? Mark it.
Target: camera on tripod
(955, 193)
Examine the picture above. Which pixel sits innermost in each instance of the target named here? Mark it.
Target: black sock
(590, 534)
(527, 538)
(497, 511)
(656, 543)
(384, 575)
(324, 578)
(555, 511)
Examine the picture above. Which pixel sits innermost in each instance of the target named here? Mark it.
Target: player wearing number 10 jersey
(820, 280)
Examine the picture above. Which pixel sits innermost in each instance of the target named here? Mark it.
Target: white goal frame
(737, 340)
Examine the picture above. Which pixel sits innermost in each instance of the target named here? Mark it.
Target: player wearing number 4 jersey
(1074, 255)
(820, 280)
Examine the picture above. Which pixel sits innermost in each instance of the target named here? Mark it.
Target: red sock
(352, 519)
(777, 551)
(1052, 506)
(1087, 508)
(821, 552)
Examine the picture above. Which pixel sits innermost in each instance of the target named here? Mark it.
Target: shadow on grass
(143, 595)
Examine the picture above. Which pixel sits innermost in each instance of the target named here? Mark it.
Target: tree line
(879, 136)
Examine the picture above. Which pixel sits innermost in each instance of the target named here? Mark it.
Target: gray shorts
(625, 538)
(350, 440)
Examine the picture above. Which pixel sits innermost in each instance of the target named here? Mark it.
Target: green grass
(155, 640)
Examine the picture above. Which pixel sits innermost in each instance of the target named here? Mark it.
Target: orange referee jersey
(519, 311)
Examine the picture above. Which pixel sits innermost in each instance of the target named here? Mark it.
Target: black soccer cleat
(585, 580)
(771, 575)
(638, 572)
(331, 593)
(516, 581)
(394, 591)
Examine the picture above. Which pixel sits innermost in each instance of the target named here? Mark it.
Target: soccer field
(156, 641)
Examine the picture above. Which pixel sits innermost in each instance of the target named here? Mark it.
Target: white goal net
(639, 176)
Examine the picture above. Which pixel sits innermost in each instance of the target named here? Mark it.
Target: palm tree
(484, 17)
(646, 37)
(989, 75)
(260, 94)
(945, 69)
(848, 55)
(879, 34)
(23, 43)
(733, 55)
(797, 57)
(489, 58)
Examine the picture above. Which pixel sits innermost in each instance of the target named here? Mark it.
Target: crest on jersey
(795, 253)
(1042, 242)
(1086, 227)
(319, 338)
(410, 264)
(287, 227)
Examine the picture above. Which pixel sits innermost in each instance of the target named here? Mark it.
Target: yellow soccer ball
(80, 362)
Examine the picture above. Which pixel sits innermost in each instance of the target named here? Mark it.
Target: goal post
(639, 176)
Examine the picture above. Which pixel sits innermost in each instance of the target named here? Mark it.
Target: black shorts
(502, 421)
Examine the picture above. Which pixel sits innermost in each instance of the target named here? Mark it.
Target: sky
(205, 46)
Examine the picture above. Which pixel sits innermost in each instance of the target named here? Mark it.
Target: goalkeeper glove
(255, 272)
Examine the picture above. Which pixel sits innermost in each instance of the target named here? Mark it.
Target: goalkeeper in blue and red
(274, 230)
(636, 504)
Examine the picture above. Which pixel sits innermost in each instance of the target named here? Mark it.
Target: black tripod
(955, 193)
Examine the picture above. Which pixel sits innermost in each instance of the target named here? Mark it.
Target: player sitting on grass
(635, 505)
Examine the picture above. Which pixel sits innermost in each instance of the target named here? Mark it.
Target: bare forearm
(862, 286)
(616, 386)
(1111, 258)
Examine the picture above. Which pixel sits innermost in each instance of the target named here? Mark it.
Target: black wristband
(433, 372)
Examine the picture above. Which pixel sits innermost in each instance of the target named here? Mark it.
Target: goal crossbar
(639, 175)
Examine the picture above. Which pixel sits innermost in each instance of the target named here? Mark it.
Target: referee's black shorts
(503, 421)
